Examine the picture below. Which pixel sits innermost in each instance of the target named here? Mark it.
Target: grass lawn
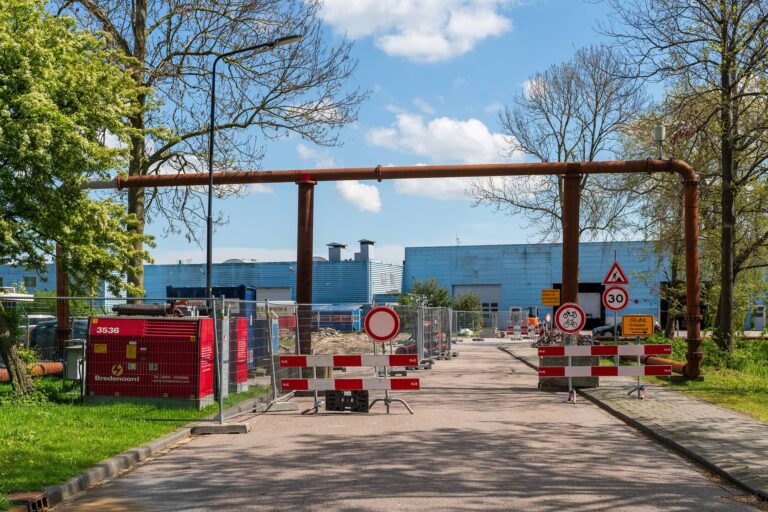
(738, 381)
(53, 437)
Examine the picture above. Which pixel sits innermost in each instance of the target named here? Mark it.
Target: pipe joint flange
(377, 173)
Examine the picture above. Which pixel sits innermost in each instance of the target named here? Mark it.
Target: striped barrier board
(605, 350)
(329, 361)
(373, 384)
(604, 371)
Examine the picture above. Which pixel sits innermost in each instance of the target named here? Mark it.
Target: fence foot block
(229, 428)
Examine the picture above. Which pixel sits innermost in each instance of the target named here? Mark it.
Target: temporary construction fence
(193, 351)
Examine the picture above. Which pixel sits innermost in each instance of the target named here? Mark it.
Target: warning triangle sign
(615, 275)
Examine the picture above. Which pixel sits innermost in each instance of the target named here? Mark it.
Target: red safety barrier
(373, 384)
(329, 361)
(604, 371)
(605, 350)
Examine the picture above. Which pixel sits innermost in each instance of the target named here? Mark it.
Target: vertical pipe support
(571, 199)
(63, 330)
(692, 282)
(304, 245)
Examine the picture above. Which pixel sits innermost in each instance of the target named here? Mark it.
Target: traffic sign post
(570, 319)
(382, 324)
(615, 299)
(615, 275)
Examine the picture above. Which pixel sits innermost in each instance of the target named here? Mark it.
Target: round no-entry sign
(570, 318)
(615, 298)
(382, 324)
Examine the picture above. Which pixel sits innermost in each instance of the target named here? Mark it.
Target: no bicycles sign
(570, 318)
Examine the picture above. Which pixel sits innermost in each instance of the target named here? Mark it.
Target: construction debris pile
(555, 337)
(327, 340)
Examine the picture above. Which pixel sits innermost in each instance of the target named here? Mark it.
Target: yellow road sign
(550, 297)
(637, 325)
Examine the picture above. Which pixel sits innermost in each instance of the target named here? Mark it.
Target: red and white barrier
(329, 361)
(605, 350)
(604, 371)
(373, 384)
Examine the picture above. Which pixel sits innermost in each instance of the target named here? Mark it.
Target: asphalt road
(482, 438)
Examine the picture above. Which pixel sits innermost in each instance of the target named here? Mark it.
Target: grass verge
(737, 381)
(51, 437)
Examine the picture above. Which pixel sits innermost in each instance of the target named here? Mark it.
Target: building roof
(335, 244)
(365, 241)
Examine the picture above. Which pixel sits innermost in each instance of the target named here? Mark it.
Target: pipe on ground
(36, 369)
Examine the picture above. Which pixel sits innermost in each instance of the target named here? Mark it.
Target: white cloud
(364, 197)
(260, 188)
(319, 159)
(493, 107)
(424, 106)
(442, 139)
(419, 30)
(445, 188)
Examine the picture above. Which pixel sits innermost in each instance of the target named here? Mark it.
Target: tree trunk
(725, 305)
(137, 165)
(21, 382)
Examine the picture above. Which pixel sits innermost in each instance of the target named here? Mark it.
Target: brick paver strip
(729, 443)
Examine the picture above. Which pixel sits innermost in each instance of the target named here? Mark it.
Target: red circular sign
(382, 324)
(615, 298)
(570, 318)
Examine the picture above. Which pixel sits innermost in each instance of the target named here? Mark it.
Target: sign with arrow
(615, 275)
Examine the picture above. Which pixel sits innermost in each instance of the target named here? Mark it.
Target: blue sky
(438, 72)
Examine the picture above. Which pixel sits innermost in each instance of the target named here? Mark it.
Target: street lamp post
(211, 130)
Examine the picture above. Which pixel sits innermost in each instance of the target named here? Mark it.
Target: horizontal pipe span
(677, 366)
(38, 368)
(398, 172)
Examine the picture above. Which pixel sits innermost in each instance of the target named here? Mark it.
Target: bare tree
(717, 52)
(298, 89)
(570, 112)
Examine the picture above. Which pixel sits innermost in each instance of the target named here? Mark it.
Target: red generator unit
(165, 359)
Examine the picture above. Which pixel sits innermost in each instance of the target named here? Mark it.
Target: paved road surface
(482, 438)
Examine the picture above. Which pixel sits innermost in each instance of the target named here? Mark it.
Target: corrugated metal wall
(333, 283)
(523, 270)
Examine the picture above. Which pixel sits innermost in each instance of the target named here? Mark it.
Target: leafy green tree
(427, 293)
(715, 53)
(300, 89)
(63, 92)
(467, 302)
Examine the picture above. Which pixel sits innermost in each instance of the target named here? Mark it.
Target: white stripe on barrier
(375, 384)
(604, 371)
(605, 350)
(329, 360)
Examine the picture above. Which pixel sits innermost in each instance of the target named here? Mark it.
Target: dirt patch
(330, 341)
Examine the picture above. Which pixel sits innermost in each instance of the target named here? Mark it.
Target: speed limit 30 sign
(615, 298)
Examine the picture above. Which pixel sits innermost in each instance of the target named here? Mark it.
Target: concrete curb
(108, 469)
(519, 358)
(660, 437)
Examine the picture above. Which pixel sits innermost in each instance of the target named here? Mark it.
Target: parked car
(609, 330)
(43, 337)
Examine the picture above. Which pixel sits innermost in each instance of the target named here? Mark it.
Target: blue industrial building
(360, 280)
(514, 275)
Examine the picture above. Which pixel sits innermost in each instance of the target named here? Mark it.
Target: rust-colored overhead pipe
(572, 170)
(398, 173)
(570, 212)
(304, 244)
